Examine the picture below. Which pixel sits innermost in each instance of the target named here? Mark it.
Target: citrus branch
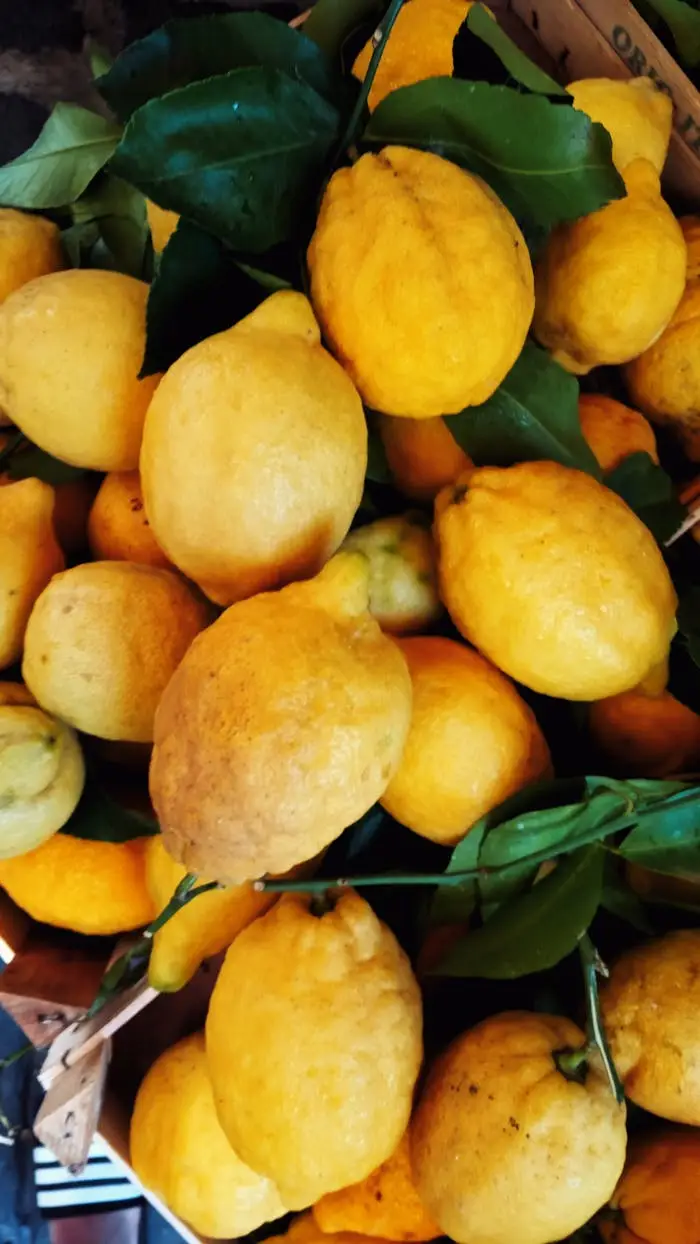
(379, 39)
(593, 967)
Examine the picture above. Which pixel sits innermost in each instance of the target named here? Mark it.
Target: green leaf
(532, 415)
(649, 491)
(240, 154)
(100, 59)
(688, 618)
(621, 901)
(667, 839)
(191, 49)
(30, 462)
(331, 21)
(70, 150)
(78, 241)
(518, 64)
(198, 290)
(683, 20)
(266, 280)
(535, 930)
(546, 162)
(101, 819)
(119, 212)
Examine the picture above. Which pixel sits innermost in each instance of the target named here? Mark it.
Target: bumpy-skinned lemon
(664, 381)
(29, 247)
(419, 46)
(42, 773)
(422, 455)
(646, 736)
(162, 224)
(385, 1203)
(179, 1151)
(314, 1074)
(29, 556)
(203, 928)
(614, 431)
(76, 883)
(473, 741)
(650, 1008)
(254, 454)
(118, 529)
(442, 292)
(554, 579)
(403, 594)
(637, 115)
(657, 1200)
(102, 642)
(504, 1146)
(608, 284)
(305, 1230)
(283, 724)
(72, 500)
(87, 328)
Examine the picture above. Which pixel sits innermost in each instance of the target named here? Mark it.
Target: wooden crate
(52, 978)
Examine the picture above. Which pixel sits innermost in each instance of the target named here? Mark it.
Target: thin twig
(379, 40)
(593, 967)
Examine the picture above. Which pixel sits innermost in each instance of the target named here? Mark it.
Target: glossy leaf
(238, 154)
(119, 212)
(102, 819)
(197, 290)
(546, 162)
(683, 20)
(532, 415)
(535, 930)
(667, 838)
(649, 491)
(331, 21)
(516, 62)
(191, 49)
(71, 149)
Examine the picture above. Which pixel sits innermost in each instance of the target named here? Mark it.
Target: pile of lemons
(196, 601)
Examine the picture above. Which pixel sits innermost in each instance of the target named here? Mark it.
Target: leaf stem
(379, 40)
(593, 967)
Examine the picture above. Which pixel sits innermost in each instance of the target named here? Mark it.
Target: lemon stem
(572, 1064)
(379, 40)
(593, 967)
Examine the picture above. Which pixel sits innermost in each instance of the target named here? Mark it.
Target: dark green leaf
(30, 462)
(532, 415)
(377, 465)
(331, 21)
(649, 491)
(239, 154)
(198, 290)
(102, 819)
(519, 66)
(689, 622)
(78, 241)
(683, 20)
(454, 904)
(191, 49)
(547, 163)
(72, 147)
(621, 901)
(266, 280)
(667, 839)
(118, 211)
(535, 930)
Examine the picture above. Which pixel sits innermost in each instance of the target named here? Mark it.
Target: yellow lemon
(473, 741)
(42, 773)
(664, 381)
(657, 1200)
(613, 430)
(179, 1151)
(554, 579)
(118, 529)
(442, 292)
(419, 46)
(71, 348)
(385, 1203)
(403, 594)
(162, 224)
(305, 1230)
(282, 726)
(646, 735)
(254, 454)
(102, 642)
(691, 232)
(29, 556)
(74, 883)
(635, 112)
(314, 1073)
(422, 454)
(650, 1008)
(203, 928)
(608, 284)
(29, 247)
(505, 1147)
